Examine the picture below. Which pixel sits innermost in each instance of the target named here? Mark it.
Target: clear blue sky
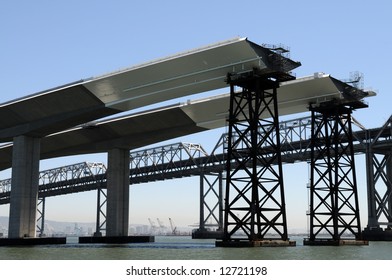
(49, 43)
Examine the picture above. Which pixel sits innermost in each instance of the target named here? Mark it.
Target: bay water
(186, 248)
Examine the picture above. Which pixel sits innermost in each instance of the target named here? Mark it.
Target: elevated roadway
(153, 126)
(199, 70)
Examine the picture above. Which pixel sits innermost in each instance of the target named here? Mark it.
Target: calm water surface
(185, 248)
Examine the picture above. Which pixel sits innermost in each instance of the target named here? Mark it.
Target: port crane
(162, 226)
(153, 226)
(160, 223)
(173, 227)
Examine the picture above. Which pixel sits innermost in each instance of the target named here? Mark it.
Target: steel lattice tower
(379, 184)
(334, 209)
(254, 203)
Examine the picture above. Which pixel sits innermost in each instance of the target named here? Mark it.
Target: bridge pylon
(254, 213)
(333, 210)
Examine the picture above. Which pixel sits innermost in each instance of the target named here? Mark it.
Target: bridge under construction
(178, 160)
(68, 121)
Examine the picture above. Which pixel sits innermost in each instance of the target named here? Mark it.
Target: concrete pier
(377, 234)
(332, 242)
(256, 243)
(115, 239)
(207, 234)
(32, 241)
(24, 192)
(117, 213)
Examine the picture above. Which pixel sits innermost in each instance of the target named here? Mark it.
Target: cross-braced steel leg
(211, 201)
(379, 184)
(101, 211)
(334, 210)
(254, 204)
(41, 216)
(383, 189)
(211, 206)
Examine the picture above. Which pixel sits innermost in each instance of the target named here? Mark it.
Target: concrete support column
(24, 190)
(117, 213)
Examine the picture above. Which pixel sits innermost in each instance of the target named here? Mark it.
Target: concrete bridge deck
(164, 123)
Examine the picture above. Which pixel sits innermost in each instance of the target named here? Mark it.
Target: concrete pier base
(256, 243)
(207, 234)
(32, 241)
(116, 239)
(332, 242)
(377, 234)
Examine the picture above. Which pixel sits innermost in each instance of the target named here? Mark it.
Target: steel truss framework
(41, 216)
(211, 201)
(334, 210)
(254, 203)
(295, 146)
(83, 176)
(379, 178)
(101, 211)
(178, 159)
(79, 175)
(181, 160)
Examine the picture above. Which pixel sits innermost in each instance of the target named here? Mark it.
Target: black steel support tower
(100, 225)
(41, 217)
(211, 206)
(334, 209)
(254, 202)
(379, 184)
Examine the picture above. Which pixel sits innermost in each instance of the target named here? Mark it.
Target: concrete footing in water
(377, 234)
(332, 242)
(116, 239)
(206, 234)
(255, 243)
(29, 241)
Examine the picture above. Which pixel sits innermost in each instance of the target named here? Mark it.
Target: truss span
(183, 160)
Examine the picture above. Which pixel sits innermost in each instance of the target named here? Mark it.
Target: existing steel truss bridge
(184, 159)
